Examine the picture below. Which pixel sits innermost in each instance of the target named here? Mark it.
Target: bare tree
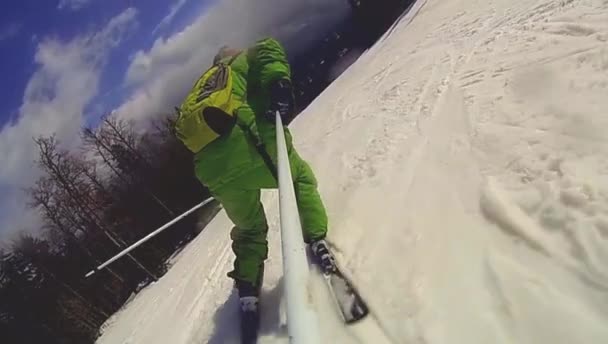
(90, 210)
(38, 252)
(115, 144)
(68, 178)
(59, 217)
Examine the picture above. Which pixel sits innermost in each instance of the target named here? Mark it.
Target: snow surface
(464, 164)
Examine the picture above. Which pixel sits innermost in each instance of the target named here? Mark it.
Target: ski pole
(302, 320)
(148, 237)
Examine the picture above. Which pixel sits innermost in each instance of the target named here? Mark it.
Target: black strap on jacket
(259, 146)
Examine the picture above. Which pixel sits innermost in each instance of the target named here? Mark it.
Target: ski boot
(249, 304)
(323, 256)
(352, 306)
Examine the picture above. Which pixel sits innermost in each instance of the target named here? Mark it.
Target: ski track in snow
(464, 163)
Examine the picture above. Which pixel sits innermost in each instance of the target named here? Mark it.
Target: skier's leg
(312, 211)
(310, 206)
(248, 236)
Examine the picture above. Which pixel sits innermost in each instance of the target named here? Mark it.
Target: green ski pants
(241, 201)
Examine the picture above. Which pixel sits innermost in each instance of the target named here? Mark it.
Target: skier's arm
(273, 75)
(270, 62)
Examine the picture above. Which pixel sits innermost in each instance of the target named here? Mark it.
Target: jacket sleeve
(269, 62)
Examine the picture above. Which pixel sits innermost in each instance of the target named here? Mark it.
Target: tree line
(96, 200)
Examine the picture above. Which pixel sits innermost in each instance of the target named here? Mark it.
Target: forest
(115, 189)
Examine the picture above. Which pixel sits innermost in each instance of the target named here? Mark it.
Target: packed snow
(464, 163)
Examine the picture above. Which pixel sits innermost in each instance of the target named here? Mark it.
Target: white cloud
(73, 5)
(177, 6)
(64, 83)
(163, 74)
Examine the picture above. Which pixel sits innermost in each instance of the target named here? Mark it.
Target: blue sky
(25, 23)
(65, 63)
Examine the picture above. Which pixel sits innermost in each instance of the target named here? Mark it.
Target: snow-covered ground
(464, 163)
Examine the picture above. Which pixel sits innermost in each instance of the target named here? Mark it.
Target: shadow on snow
(227, 323)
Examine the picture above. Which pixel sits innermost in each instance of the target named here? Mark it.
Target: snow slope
(464, 163)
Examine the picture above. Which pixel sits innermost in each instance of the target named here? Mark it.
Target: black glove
(281, 100)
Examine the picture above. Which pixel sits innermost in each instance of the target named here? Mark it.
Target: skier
(228, 121)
